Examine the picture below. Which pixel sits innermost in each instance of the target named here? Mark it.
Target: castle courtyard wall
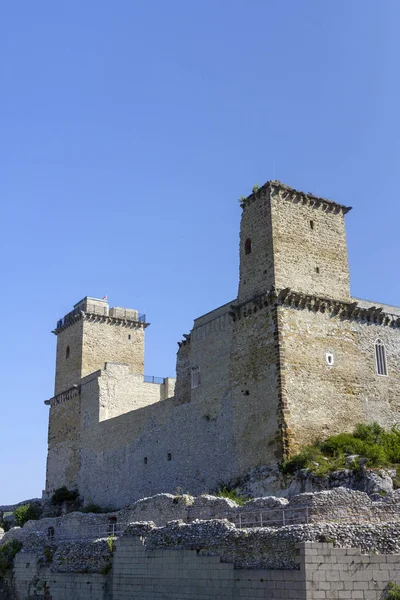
(193, 444)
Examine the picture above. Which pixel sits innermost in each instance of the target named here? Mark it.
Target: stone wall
(327, 399)
(309, 243)
(69, 370)
(141, 572)
(63, 461)
(257, 266)
(340, 506)
(112, 341)
(103, 395)
(32, 581)
(296, 240)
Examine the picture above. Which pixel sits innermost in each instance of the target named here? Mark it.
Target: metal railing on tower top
(152, 379)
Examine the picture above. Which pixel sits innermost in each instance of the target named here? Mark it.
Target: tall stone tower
(92, 334)
(290, 239)
(293, 262)
(89, 336)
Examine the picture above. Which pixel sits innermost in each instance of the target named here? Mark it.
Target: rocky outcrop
(270, 480)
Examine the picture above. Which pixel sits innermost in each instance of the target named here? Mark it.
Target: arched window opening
(247, 246)
(67, 352)
(380, 357)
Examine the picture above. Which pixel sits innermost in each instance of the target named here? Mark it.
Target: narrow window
(145, 460)
(311, 224)
(50, 534)
(247, 246)
(67, 352)
(317, 269)
(380, 357)
(169, 456)
(329, 359)
(195, 377)
(129, 336)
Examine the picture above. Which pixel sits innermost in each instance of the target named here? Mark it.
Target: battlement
(296, 196)
(97, 307)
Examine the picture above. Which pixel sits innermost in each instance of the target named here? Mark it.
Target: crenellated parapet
(289, 194)
(186, 340)
(130, 321)
(293, 299)
(64, 396)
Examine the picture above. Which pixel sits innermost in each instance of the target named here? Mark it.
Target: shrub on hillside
(7, 553)
(63, 494)
(379, 447)
(27, 512)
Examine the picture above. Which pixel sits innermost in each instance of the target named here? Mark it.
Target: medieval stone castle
(292, 358)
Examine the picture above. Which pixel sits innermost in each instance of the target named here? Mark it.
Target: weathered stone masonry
(291, 359)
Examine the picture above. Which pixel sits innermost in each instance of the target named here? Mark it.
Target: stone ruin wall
(207, 560)
(329, 558)
(338, 506)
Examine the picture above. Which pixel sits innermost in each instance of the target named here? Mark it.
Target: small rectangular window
(129, 336)
(330, 361)
(311, 224)
(317, 269)
(145, 460)
(195, 377)
(169, 456)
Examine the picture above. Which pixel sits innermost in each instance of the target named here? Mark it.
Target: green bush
(63, 494)
(380, 448)
(392, 591)
(7, 553)
(231, 494)
(27, 512)
(92, 508)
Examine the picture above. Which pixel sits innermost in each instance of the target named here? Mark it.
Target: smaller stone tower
(91, 334)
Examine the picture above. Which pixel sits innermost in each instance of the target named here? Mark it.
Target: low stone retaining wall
(142, 573)
(340, 504)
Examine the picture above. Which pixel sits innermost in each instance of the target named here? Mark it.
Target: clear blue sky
(128, 132)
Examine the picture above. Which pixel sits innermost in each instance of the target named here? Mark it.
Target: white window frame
(330, 359)
(195, 377)
(380, 358)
